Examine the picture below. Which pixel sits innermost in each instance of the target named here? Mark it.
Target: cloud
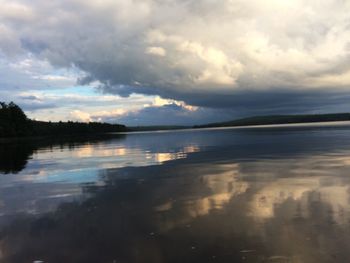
(249, 56)
(157, 51)
(78, 115)
(166, 114)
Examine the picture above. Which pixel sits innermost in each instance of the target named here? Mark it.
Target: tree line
(15, 123)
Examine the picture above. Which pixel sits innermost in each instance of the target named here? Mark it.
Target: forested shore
(15, 123)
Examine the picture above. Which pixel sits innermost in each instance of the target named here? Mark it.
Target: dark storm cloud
(170, 114)
(238, 106)
(251, 57)
(245, 103)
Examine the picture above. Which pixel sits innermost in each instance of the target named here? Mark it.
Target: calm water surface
(279, 194)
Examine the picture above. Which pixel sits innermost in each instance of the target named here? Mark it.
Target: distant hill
(279, 119)
(156, 128)
(14, 123)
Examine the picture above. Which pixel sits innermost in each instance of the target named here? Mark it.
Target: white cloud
(159, 102)
(157, 51)
(196, 51)
(11, 10)
(78, 115)
(103, 115)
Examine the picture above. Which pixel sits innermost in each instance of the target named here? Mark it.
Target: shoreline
(113, 134)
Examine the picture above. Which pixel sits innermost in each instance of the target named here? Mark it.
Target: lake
(254, 194)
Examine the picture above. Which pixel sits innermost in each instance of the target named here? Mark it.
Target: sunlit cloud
(78, 115)
(253, 57)
(157, 51)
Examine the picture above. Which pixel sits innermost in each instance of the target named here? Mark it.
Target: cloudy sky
(174, 61)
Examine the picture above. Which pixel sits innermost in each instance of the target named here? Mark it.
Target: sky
(174, 62)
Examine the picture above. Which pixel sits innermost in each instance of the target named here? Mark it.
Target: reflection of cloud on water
(76, 166)
(305, 181)
(302, 180)
(84, 151)
(204, 205)
(304, 191)
(263, 203)
(337, 197)
(164, 207)
(164, 157)
(274, 210)
(98, 151)
(221, 187)
(263, 187)
(65, 164)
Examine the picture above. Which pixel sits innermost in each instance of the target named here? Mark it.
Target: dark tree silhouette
(14, 123)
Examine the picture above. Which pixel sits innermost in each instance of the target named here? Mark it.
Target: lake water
(271, 194)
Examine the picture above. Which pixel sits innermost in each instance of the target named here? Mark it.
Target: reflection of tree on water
(14, 154)
(14, 157)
